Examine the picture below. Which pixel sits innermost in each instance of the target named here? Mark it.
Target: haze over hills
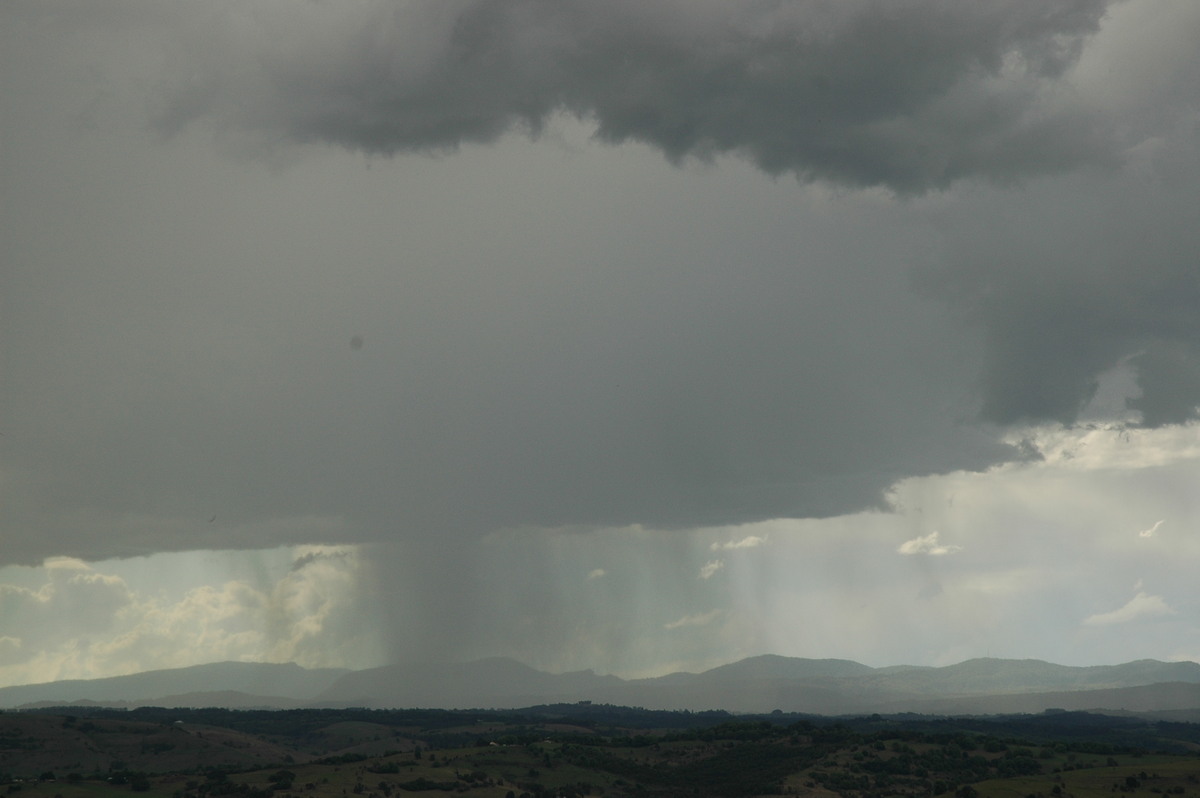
(287, 682)
(757, 684)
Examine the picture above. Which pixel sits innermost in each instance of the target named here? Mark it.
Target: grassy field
(545, 769)
(387, 756)
(1140, 777)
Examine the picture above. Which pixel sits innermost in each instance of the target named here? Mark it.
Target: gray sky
(369, 331)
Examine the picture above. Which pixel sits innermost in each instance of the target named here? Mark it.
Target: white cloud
(928, 544)
(597, 573)
(1140, 606)
(85, 621)
(700, 619)
(748, 542)
(1149, 533)
(10, 650)
(73, 599)
(710, 568)
(1104, 447)
(65, 564)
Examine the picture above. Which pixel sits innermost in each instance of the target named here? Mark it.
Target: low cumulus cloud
(748, 542)
(83, 622)
(1142, 606)
(74, 600)
(927, 544)
(710, 568)
(699, 619)
(10, 650)
(1149, 532)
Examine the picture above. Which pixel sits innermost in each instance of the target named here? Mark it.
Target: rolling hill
(758, 684)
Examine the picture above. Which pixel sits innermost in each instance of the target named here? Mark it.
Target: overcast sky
(615, 335)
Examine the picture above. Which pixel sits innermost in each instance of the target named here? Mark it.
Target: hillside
(286, 681)
(584, 749)
(758, 684)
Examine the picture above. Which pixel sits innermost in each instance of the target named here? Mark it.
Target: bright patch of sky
(68, 619)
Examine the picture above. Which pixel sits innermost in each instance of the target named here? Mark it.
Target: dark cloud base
(911, 96)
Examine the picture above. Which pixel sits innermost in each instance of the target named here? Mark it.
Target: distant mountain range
(757, 684)
(275, 685)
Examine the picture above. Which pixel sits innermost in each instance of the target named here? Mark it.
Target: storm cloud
(910, 95)
(558, 286)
